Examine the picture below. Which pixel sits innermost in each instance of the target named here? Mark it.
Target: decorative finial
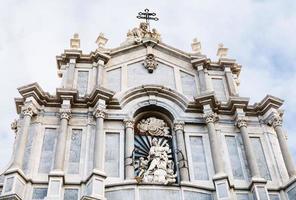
(101, 41)
(147, 16)
(75, 41)
(196, 46)
(222, 51)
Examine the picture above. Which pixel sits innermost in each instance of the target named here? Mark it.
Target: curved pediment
(151, 93)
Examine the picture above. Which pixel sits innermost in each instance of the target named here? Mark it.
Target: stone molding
(241, 122)
(99, 113)
(65, 113)
(129, 123)
(210, 117)
(179, 125)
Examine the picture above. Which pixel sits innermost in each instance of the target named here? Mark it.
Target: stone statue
(157, 168)
(142, 32)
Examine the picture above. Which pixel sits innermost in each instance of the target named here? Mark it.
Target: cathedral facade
(147, 121)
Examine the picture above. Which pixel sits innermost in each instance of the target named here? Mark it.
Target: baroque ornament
(210, 117)
(65, 113)
(157, 166)
(154, 127)
(241, 122)
(150, 63)
(276, 120)
(137, 35)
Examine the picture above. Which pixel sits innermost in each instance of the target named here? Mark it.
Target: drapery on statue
(157, 168)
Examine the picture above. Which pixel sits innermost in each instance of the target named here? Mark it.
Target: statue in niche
(157, 167)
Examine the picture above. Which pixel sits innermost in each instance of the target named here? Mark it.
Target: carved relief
(154, 127)
(139, 33)
(150, 63)
(156, 167)
(153, 152)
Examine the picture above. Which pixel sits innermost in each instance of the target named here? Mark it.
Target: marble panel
(163, 194)
(121, 194)
(39, 193)
(189, 195)
(114, 79)
(71, 194)
(48, 150)
(198, 158)
(75, 151)
(112, 154)
(188, 84)
(82, 82)
(219, 88)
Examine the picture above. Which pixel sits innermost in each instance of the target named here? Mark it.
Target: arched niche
(154, 156)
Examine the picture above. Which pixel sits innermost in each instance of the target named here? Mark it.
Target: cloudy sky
(260, 34)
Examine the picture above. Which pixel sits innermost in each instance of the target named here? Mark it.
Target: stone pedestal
(95, 187)
(258, 189)
(55, 186)
(14, 186)
(222, 187)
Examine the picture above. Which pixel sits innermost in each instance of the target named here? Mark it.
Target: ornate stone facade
(114, 131)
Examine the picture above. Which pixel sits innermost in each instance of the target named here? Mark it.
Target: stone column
(276, 122)
(65, 115)
(241, 123)
(129, 148)
(182, 156)
(28, 111)
(210, 118)
(99, 150)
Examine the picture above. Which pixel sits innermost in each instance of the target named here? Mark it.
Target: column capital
(65, 113)
(129, 123)
(99, 113)
(179, 125)
(276, 120)
(29, 110)
(241, 122)
(210, 117)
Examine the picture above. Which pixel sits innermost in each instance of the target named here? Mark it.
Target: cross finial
(147, 16)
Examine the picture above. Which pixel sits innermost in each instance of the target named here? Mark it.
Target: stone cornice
(80, 57)
(44, 98)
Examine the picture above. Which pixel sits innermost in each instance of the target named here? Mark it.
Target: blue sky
(260, 34)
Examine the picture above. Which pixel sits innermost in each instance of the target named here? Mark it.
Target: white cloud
(259, 34)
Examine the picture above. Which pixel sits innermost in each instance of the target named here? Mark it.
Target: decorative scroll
(153, 126)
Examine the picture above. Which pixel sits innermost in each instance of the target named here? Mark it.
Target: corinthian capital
(99, 113)
(241, 122)
(129, 123)
(65, 113)
(179, 125)
(29, 110)
(210, 117)
(276, 120)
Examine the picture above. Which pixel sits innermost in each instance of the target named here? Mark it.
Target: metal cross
(147, 16)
